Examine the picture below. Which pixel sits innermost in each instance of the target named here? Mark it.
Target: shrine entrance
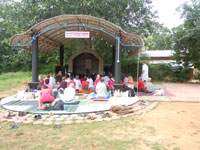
(86, 62)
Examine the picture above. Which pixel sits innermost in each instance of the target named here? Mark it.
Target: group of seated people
(69, 86)
(142, 86)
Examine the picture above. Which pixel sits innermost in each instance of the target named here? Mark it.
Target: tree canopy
(187, 36)
(18, 16)
(160, 39)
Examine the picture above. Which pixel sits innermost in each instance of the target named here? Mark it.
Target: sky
(167, 12)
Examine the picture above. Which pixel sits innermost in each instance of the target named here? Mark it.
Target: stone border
(138, 109)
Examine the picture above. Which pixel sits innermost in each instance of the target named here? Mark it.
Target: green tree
(187, 36)
(133, 16)
(160, 39)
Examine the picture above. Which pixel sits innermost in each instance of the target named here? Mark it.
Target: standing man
(145, 72)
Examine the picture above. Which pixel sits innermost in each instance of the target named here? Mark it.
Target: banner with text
(77, 34)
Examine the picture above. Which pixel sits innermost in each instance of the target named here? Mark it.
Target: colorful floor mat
(21, 103)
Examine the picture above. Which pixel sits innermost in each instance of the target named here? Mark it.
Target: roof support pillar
(35, 60)
(113, 60)
(118, 62)
(61, 54)
(34, 83)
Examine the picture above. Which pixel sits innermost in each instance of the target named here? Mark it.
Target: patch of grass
(157, 146)
(13, 79)
(19, 134)
(176, 148)
(151, 130)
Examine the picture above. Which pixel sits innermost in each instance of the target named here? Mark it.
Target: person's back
(71, 81)
(125, 81)
(140, 85)
(45, 95)
(91, 83)
(101, 88)
(149, 85)
(110, 83)
(106, 78)
(97, 80)
(63, 83)
(52, 81)
(130, 82)
(78, 83)
(69, 94)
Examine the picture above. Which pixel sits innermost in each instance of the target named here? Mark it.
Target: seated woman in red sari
(85, 86)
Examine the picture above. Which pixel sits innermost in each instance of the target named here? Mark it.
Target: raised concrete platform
(85, 106)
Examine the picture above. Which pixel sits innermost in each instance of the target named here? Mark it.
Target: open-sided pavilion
(49, 34)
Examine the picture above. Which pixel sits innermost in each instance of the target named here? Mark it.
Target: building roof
(51, 33)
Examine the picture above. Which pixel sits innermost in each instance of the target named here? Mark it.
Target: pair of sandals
(37, 117)
(22, 113)
(57, 127)
(10, 115)
(13, 126)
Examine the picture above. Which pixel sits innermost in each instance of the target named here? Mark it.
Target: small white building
(159, 56)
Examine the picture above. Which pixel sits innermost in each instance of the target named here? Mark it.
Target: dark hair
(71, 77)
(46, 81)
(45, 87)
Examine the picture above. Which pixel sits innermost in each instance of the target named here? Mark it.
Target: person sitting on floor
(101, 89)
(78, 83)
(46, 82)
(69, 94)
(52, 80)
(97, 80)
(110, 84)
(130, 82)
(46, 95)
(63, 83)
(149, 86)
(41, 82)
(85, 86)
(91, 83)
(71, 81)
(141, 86)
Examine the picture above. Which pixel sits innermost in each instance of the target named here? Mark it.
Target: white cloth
(69, 95)
(106, 78)
(52, 81)
(91, 83)
(78, 84)
(101, 89)
(145, 75)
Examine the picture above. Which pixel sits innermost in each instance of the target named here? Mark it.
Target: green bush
(158, 72)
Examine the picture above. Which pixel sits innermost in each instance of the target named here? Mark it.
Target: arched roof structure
(51, 33)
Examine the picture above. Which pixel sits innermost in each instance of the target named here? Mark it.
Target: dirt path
(177, 123)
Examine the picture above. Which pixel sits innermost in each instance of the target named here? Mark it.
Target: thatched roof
(51, 32)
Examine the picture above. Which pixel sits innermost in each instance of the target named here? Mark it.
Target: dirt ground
(174, 124)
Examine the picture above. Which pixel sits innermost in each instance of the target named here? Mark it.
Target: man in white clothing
(69, 94)
(145, 71)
